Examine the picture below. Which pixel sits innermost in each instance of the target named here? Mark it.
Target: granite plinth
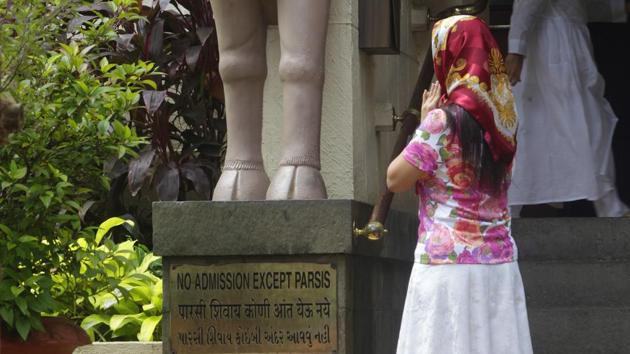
(371, 276)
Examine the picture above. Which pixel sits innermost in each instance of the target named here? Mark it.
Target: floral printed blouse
(459, 224)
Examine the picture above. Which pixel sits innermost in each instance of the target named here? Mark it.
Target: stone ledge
(120, 348)
(576, 284)
(572, 239)
(589, 330)
(294, 227)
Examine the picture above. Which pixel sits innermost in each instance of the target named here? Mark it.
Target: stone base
(371, 276)
(121, 348)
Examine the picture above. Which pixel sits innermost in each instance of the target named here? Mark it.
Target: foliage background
(183, 118)
(123, 106)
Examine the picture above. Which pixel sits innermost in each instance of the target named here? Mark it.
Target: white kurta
(565, 123)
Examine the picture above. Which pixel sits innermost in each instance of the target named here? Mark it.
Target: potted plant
(116, 292)
(76, 111)
(118, 288)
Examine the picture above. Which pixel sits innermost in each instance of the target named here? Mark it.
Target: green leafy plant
(183, 119)
(27, 29)
(117, 290)
(76, 115)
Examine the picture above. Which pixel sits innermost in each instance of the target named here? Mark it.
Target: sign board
(253, 308)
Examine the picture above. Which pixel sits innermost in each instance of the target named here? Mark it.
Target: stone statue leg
(302, 25)
(241, 32)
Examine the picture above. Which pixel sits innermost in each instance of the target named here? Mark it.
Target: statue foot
(297, 182)
(241, 183)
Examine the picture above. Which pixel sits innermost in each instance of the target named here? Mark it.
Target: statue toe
(297, 182)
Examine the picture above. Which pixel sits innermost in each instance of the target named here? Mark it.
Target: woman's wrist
(421, 116)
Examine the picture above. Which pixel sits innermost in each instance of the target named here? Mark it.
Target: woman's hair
(490, 175)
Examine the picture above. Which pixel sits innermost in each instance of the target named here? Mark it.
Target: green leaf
(103, 127)
(119, 128)
(5, 229)
(32, 281)
(141, 293)
(46, 198)
(148, 327)
(147, 261)
(73, 204)
(104, 301)
(105, 182)
(87, 49)
(147, 308)
(23, 326)
(150, 83)
(156, 299)
(126, 307)
(94, 320)
(107, 225)
(22, 305)
(129, 331)
(425, 135)
(18, 173)
(36, 324)
(119, 321)
(103, 63)
(47, 301)
(6, 313)
(122, 150)
(107, 67)
(82, 242)
(5, 292)
(27, 238)
(37, 306)
(16, 290)
(82, 86)
(140, 278)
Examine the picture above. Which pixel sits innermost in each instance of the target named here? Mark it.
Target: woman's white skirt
(465, 308)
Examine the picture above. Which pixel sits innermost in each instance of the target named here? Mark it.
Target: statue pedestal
(280, 277)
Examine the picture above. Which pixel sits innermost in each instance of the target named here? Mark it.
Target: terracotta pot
(62, 336)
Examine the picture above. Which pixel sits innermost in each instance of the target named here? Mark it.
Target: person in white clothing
(566, 124)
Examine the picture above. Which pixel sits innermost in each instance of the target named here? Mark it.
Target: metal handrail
(375, 230)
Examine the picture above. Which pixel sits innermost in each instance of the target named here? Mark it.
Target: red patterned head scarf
(469, 67)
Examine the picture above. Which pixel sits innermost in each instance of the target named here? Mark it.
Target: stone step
(580, 330)
(549, 284)
(120, 348)
(576, 273)
(572, 239)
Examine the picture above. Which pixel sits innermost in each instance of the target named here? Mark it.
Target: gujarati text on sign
(253, 308)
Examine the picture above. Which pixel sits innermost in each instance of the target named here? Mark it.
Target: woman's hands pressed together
(430, 99)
